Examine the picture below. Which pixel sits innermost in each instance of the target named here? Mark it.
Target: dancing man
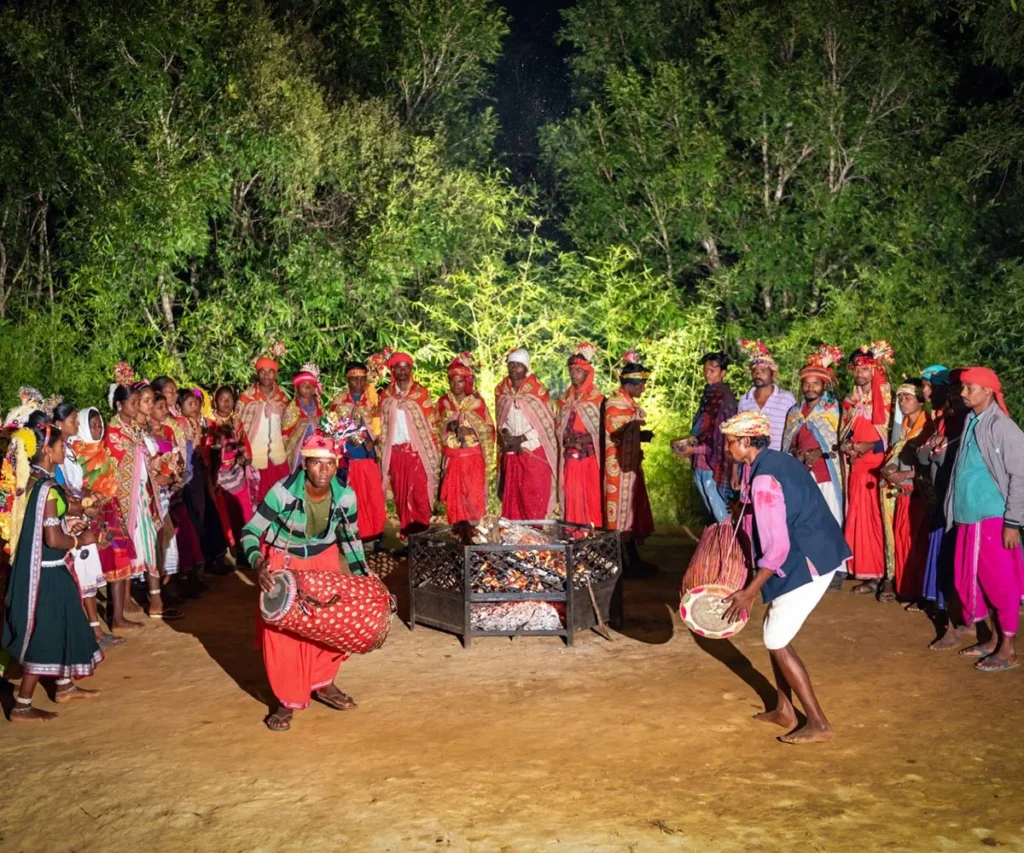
(300, 526)
(467, 436)
(627, 507)
(410, 457)
(260, 408)
(863, 438)
(581, 488)
(798, 547)
(985, 500)
(527, 443)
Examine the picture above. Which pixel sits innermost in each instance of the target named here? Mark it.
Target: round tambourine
(702, 608)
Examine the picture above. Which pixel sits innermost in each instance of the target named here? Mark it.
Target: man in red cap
(863, 438)
(260, 409)
(410, 456)
(467, 439)
(985, 500)
(306, 523)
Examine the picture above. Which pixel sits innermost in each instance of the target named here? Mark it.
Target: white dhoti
(787, 613)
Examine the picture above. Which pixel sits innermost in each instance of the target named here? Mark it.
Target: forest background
(183, 181)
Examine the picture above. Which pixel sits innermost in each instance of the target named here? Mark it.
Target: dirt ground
(641, 745)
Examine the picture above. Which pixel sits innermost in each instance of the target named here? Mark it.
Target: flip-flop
(330, 703)
(995, 665)
(975, 651)
(110, 641)
(865, 588)
(278, 728)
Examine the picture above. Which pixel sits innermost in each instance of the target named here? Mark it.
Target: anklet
(94, 624)
(23, 701)
(62, 681)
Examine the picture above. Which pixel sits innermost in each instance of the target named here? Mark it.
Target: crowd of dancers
(929, 493)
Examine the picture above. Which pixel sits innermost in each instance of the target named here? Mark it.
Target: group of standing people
(929, 493)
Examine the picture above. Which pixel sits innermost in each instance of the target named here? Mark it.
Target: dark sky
(532, 83)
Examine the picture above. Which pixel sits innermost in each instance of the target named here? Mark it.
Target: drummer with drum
(307, 522)
(798, 547)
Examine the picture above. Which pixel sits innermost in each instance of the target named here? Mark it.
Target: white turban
(519, 356)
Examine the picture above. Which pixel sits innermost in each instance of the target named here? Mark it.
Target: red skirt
(464, 490)
(581, 480)
(527, 485)
(364, 478)
(296, 667)
(409, 485)
(910, 535)
(643, 518)
(864, 519)
(268, 476)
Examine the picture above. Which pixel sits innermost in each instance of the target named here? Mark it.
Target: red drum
(718, 559)
(350, 613)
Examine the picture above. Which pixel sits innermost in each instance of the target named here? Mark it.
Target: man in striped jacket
(307, 521)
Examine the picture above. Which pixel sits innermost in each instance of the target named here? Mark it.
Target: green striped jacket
(280, 521)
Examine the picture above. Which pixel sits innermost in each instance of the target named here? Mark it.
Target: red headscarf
(986, 378)
(399, 358)
(866, 359)
(266, 362)
(580, 361)
(459, 368)
(319, 446)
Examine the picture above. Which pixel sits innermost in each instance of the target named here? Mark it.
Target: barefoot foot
(808, 733)
(785, 717)
(28, 714)
(73, 691)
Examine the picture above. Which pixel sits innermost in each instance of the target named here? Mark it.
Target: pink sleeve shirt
(765, 493)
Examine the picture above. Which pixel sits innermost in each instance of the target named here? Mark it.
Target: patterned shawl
(421, 420)
(858, 404)
(585, 404)
(823, 424)
(255, 410)
(717, 405)
(297, 426)
(622, 458)
(471, 412)
(365, 411)
(533, 400)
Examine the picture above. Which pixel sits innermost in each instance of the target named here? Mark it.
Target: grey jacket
(1001, 443)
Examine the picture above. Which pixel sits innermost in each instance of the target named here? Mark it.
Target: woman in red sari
(862, 435)
(467, 439)
(236, 483)
(907, 488)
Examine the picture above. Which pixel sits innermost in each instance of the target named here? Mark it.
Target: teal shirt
(976, 495)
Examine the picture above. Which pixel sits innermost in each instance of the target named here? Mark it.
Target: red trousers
(581, 480)
(464, 490)
(527, 485)
(268, 476)
(364, 478)
(409, 485)
(296, 667)
(864, 518)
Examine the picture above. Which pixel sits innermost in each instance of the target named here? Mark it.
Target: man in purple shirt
(766, 396)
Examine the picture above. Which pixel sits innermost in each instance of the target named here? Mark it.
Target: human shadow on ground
(739, 664)
(224, 622)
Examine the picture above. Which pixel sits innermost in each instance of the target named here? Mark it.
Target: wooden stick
(600, 628)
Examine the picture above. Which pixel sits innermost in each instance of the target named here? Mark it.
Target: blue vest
(814, 533)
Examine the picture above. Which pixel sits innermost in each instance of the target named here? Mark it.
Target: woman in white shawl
(70, 474)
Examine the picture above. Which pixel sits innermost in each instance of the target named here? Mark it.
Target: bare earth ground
(641, 745)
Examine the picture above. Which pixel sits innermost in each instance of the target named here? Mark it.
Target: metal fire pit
(447, 577)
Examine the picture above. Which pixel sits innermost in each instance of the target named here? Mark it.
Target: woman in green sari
(45, 628)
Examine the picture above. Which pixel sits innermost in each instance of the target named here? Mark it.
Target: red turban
(458, 367)
(399, 358)
(986, 378)
(307, 376)
(319, 446)
(266, 363)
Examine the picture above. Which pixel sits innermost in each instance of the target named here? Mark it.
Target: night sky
(532, 81)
